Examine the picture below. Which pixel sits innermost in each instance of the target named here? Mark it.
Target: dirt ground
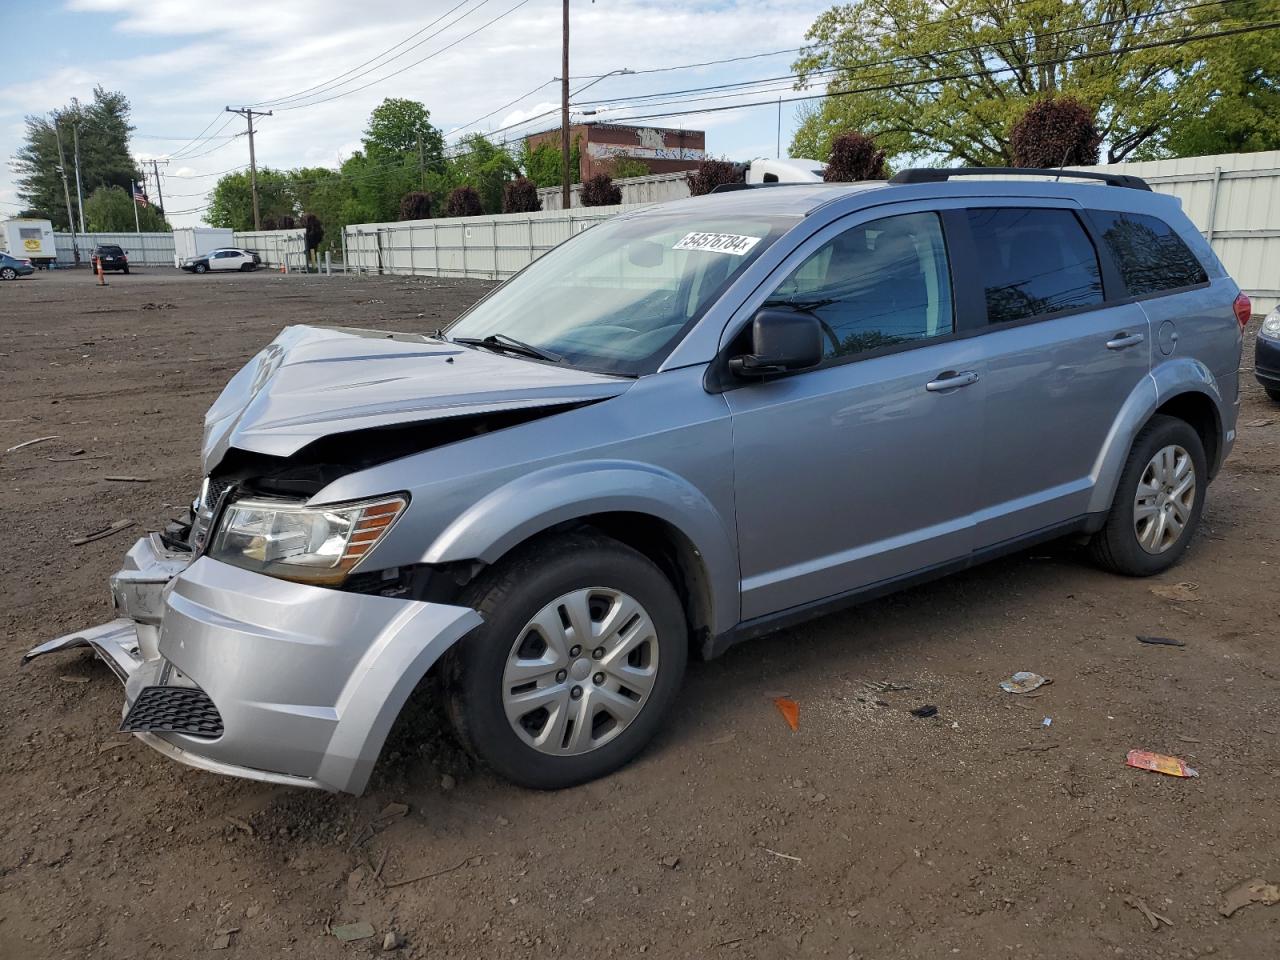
(869, 833)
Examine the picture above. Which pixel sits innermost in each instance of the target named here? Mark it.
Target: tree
(854, 157)
(415, 206)
(463, 202)
(110, 210)
(485, 166)
(1055, 132)
(620, 168)
(398, 127)
(542, 163)
(599, 191)
(105, 160)
(520, 196)
(313, 230)
(997, 56)
(231, 202)
(711, 174)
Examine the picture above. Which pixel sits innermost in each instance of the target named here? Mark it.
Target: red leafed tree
(854, 157)
(599, 191)
(711, 174)
(415, 206)
(463, 202)
(520, 196)
(1055, 132)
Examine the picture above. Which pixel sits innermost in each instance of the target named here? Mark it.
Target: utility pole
(66, 188)
(422, 165)
(159, 193)
(249, 114)
(779, 128)
(75, 134)
(566, 181)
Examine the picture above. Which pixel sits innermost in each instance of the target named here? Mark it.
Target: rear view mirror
(781, 341)
(645, 253)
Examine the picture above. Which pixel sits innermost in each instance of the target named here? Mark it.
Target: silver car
(694, 423)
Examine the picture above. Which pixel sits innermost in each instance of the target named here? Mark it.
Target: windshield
(618, 298)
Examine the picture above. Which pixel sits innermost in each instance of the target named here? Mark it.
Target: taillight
(1244, 310)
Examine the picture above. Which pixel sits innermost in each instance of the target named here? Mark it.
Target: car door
(221, 260)
(1062, 354)
(861, 471)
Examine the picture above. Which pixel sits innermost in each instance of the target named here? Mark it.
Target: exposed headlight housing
(1271, 325)
(292, 541)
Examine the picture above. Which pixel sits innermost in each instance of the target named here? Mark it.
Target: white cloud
(191, 62)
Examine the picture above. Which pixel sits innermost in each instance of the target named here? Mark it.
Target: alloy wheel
(1165, 499)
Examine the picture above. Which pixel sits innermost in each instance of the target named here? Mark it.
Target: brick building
(665, 151)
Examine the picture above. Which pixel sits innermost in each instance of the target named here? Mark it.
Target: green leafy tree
(854, 157)
(1055, 132)
(104, 129)
(622, 167)
(396, 129)
(486, 167)
(997, 57)
(231, 202)
(110, 210)
(541, 164)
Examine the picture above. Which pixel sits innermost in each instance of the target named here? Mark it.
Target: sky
(182, 62)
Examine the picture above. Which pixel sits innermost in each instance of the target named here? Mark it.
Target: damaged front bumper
(238, 673)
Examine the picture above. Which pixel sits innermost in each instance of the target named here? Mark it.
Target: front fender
(538, 501)
(1170, 379)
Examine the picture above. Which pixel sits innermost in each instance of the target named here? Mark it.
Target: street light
(564, 109)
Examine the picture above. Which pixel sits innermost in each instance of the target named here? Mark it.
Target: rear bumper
(306, 681)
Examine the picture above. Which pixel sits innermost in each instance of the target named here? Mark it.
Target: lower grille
(173, 710)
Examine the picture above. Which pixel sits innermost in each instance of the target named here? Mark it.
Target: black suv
(109, 257)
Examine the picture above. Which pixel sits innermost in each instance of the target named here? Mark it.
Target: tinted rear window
(1150, 255)
(110, 251)
(1033, 262)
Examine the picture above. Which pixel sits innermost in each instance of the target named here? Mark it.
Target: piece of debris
(435, 873)
(391, 941)
(1184, 592)
(1256, 890)
(784, 856)
(1187, 739)
(157, 306)
(239, 824)
(1153, 918)
(670, 862)
(220, 941)
(928, 710)
(252, 910)
(354, 879)
(1159, 763)
(885, 686)
(108, 747)
(27, 443)
(721, 741)
(1047, 722)
(69, 679)
(1024, 681)
(448, 782)
(1265, 422)
(103, 533)
(74, 458)
(347, 932)
(1163, 641)
(129, 479)
(393, 811)
(790, 711)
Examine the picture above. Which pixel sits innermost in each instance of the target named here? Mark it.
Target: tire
(126, 271)
(509, 598)
(8, 273)
(1273, 393)
(200, 268)
(1116, 547)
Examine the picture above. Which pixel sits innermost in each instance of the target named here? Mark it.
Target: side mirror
(781, 341)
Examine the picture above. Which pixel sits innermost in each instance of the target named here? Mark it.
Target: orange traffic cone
(102, 277)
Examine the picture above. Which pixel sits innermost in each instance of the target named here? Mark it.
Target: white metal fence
(143, 249)
(655, 188)
(1234, 200)
(484, 248)
(286, 248)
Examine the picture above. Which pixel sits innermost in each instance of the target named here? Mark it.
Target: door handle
(950, 380)
(1122, 340)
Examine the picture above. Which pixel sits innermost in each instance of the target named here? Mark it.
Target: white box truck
(192, 242)
(29, 239)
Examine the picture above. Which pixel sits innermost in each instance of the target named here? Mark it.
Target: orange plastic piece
(1158, 762)
(790, 711)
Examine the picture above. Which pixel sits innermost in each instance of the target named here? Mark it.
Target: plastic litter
(1047, 722)
(1163, 641)
(1251, 891)
(1024, 681)
(928, 710)
(790, 711)
(1159, 763)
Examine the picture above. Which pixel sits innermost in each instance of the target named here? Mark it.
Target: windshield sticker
(731, 243)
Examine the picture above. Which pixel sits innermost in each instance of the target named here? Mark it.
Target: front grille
(216, 489)
(173, 710)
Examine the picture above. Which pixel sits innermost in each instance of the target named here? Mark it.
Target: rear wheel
(8, 273)
(1273, 393)
(1158, 501)
(578, 662)
(126, 271)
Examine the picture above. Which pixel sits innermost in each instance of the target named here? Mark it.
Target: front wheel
(201, 268)
(1158, 501)
(8, 273)
(578, 662)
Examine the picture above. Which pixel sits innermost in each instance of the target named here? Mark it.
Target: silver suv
(694, 423)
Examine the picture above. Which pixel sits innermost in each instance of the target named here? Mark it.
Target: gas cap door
(1167, 337)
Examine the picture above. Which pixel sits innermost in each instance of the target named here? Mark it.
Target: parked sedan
(1266, 355)
(11, 268)
(225, 258)
(109, 257)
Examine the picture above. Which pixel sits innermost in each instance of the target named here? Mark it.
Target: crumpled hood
(311, 382)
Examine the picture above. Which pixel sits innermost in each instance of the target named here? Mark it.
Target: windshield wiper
(502, 342)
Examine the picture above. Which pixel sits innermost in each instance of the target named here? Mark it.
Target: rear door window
(1151, 256)
(1033, 262)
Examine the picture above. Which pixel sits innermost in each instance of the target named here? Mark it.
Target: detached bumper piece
(173, 710)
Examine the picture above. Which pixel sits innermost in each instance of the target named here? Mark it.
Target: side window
(1033, 261)
(1150, 255)
(875, 285)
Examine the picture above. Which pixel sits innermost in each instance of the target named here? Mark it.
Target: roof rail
(942, 174)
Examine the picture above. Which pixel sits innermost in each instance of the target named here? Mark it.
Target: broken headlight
(293, 541)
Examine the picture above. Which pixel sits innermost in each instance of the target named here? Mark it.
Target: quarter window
(1151, 256)
(1033, 262)
(878, 284)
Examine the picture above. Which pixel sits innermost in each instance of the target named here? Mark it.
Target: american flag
(139, 197)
